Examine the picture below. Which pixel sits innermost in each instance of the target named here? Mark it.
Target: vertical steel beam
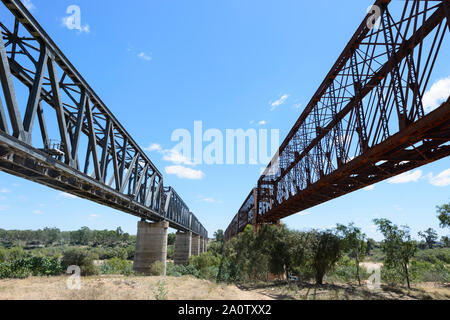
(10, 94)
(93, 142)
(79, 124)
(60, 115)
(35, 95)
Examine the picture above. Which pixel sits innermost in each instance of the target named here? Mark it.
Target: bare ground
(189, 288)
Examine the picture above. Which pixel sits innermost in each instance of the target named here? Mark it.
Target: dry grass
(294, 291)
(189, 288)
(121, 288)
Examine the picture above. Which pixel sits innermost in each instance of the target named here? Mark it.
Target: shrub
(117, 266)
(206, 264)
(434, 255)
(25, 267)
(392, 276)
(345, 270)
(157, 269)
(81, 258)
(423, 271)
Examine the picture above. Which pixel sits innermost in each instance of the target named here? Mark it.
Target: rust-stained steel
(366, 122)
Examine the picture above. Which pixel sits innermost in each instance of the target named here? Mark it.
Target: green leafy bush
(423, 271)
(117, 266)
(34, 266)
(345, 270)
(157, 269)
(81, 258)
(392, 276)
(434, 255)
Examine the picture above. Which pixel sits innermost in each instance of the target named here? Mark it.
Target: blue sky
(161, 65)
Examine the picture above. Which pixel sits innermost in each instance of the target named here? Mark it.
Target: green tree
(171, 237)
(398, 247)
(326, 250)
(355, 242)
(444, 215)
(430, 236)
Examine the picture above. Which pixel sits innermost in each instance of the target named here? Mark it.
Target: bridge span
(367, 121)
(92, 156)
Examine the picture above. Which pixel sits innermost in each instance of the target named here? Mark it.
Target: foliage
(32, 266)
(157, 268)
(206, 264)
(160, 293)
(430, 236)
(170, 252)
(326, 250)
(171, 239)
(398, 247)
(52, 236)
(117, 266)
(82, 258)
(345, 270)
(436, 255)
(444, 215)
(354, 242)
(424, 271)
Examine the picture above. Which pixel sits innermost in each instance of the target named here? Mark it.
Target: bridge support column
(151, 246)
(195, 247)
(183, 245)
(202, 245)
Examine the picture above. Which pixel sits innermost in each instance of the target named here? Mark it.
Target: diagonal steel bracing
(367, 121)
(67, 138)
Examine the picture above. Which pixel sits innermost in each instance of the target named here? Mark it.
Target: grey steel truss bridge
(367, 121)
(91, 155)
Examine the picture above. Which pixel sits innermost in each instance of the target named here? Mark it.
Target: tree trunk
(357, 271)
(407, 276)
(319, 278)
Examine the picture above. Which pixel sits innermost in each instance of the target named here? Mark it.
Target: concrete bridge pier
(183, 246)
(151, 246)
(195, 246)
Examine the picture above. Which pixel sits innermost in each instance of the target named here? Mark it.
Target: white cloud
(67, 195)
(4, 190)
(208, 200)
(437, 94)
(38, 212)
(441, 180)
(411, 176)
(185, 173)
(153, 147)
(144, 56)
(279, 102)
(29, 5)
(303, 213)
(262, 123)
(369, 188)
(176, 157)
(173, 156)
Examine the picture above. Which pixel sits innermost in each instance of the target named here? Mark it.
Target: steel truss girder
(116, 171)
(366, 122)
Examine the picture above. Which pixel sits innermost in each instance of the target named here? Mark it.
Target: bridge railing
(93, 157)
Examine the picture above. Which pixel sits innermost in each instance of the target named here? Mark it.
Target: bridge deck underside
(400, 153)
(19, 159)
